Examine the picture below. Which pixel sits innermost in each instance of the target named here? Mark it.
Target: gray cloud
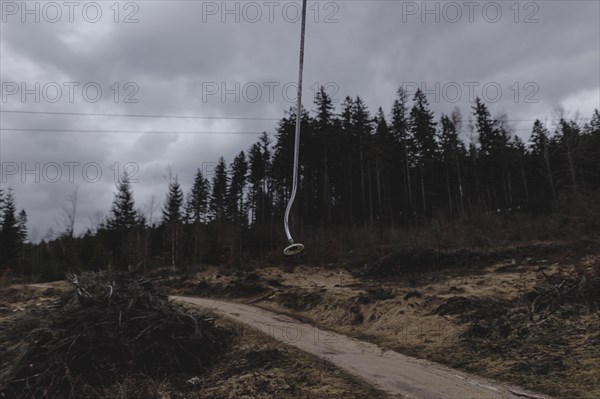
(175, 51)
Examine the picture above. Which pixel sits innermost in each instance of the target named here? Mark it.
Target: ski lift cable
(295, 247)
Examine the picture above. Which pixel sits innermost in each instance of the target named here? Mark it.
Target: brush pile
(579, 287)
(113, 325)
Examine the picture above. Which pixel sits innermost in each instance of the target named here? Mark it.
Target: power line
(149, 131)
(194, 116)
(140, 115)
(121, 131)
(250, 118)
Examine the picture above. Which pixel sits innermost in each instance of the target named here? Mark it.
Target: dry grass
(476, 319)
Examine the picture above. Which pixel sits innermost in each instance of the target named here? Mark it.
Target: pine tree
(327, 152)
(591, 146)
(197, 210)
(451, 150)
(569, 134)
(11, 237)
(493, 142)
(325, 110)
(362, 130)
(259, 159)
(405, 148)
(1, 209)
(122, 224)
(540, 147)
(486, 128)
(197, 199)
(123, 215)
(422, 128)
(173, 208)
(593, 128)
(235, 192)
(22, 225)
(218, 200)
(173, 218)
(349, 147)
(382, 152)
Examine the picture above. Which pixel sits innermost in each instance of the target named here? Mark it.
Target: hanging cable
(295, 248)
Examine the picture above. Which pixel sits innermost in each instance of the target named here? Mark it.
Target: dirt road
(397, 374)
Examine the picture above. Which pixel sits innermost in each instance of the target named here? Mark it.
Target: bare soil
(479, 314)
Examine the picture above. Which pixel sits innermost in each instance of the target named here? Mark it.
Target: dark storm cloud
(179, 51)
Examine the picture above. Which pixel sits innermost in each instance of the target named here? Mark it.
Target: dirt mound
(238, 285)
(112, 326)
(419, 260)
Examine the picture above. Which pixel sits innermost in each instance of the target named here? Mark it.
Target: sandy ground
(395, 373)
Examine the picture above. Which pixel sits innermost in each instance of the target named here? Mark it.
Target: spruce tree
(11, 237)
(173, 208)
(123, 215)
(218, 200)
(400, 129)
(22, 226)
(197, 200)
(172, 218)
(235, 191)
(422, 129)
(259, 165)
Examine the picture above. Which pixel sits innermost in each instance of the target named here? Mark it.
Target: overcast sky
(239, 59)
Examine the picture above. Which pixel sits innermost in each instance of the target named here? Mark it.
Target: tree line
(358, 169)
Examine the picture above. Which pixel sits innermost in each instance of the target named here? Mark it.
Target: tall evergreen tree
(22, 225)
(540, 148)
(422, 127)
(349, 148)
(569, 135)
(382, 151)
(173, 208)
(1, 208)
(123, 215)
(236, 188)
(11, 236)
(492, 153)
(218, 199)
(451, 150)
(488, 134)
(259, 159)
(326, 142)
(362, 125)
(196, 207)
(172, 219)
(122, 225)
(400, 129)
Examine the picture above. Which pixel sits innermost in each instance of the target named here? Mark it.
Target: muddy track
(392, 372)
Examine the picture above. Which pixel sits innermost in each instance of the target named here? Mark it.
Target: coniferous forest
(371, 172)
